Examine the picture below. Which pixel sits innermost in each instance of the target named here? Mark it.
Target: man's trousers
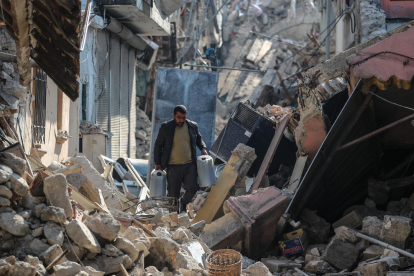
(182, 175)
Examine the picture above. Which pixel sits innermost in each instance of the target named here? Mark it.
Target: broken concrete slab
(373, 251)
(105, 226)
(341, 255)
(5, 192)
(19, 185)
(276, 265)
(82, 236)
(54, 233)
(51, 254)
(14, 224)
(111, 265)
(395, 230)
(257, 269)
(56, 190)
(319, 266)
(52, 213)
(17, 164)
(238, 165)
(319, 230)
(127, 247)
(37, 247)
(5, 173)
(67, 269)
(371, 226)
(163, 254)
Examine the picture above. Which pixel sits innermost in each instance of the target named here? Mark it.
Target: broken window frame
(39, 106)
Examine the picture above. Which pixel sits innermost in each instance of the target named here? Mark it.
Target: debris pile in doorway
(143, 135)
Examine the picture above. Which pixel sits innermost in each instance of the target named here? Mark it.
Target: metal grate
(247, 117)
(39, 126)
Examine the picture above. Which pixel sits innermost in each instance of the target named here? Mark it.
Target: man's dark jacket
(163, 144)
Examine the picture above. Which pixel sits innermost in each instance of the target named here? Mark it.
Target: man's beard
(179, 124)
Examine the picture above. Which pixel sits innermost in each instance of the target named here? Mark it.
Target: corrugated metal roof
(336, 179)
(388, 62)
(330, 88)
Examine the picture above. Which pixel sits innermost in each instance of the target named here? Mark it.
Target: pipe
(226, 68)
(380, 243)
(118, 28)
(328, 35)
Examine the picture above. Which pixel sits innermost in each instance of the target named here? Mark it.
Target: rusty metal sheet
(388, 62)
(398, 9)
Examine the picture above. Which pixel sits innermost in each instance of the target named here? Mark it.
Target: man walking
(175, 149)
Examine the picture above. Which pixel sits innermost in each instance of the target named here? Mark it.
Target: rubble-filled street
(206, 138)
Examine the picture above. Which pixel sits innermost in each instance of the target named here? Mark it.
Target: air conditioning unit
(249, 127)
(146, 58)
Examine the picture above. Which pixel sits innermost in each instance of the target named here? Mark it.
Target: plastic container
(225, 262)
(158, 184)
(205, 169)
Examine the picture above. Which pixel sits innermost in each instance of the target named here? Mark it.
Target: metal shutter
(115, 63)
(124, 101)
(132, 92)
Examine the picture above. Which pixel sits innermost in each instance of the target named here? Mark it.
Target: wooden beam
(21, 30)
(376, 132)
(269, 154)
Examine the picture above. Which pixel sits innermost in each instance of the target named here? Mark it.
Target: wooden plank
(297, 173)
(146, 230)
(21, 31)
(263, 51)
(102, 201)
(269, 154)
(81, 199)
(69, 170)
(254, 51)
(219, 192)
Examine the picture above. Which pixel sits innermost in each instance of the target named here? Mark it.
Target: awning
(388, 62)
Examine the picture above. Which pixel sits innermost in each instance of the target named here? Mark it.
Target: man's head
(180, 114)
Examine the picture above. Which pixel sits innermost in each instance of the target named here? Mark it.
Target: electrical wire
(391, 102)
(376, 54)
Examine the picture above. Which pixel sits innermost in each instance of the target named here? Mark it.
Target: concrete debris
(105, 226)
(341, 255)
(395, 230)
(56, 190)
(89, 128)
(82, 236)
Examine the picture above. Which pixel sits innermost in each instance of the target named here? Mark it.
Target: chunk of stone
(105, 226)
(362, 245)
(34, 261)
(54, 233)
(26, 214)
(319, 230)
(310, 258)
(52, 213)
(378, 267)
(184, 220)
(373, 251)
(14, 224)
(19, 185)
(186, 260)
(67, 269)
(163, 253)
(319, 266)
(5, 173)
(37, 247)
(163, 232)
(82, 236)
(53, 252)
(136, 235)
(17, 164)
(370, 203)
(127, 247)
(345, 234)
(4, 202)
(197, 228)
(141, 247)
(92, 271)
(276, 265)
(153, 271)
(395, 230)
(4, 267)
(23, 268)
(37, 232)
(390, 253)
(74, 252)
(181, 235)
(371, 226)
(341, 255)
(38, 209)
(111, 265)
(56, 190)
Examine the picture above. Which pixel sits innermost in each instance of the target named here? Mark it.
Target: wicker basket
(225, 262)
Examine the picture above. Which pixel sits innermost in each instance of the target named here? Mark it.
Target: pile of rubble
(143, 134)
(274, 112)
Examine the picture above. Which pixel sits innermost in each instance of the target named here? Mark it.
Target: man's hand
(158, 167)
(204, 152)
